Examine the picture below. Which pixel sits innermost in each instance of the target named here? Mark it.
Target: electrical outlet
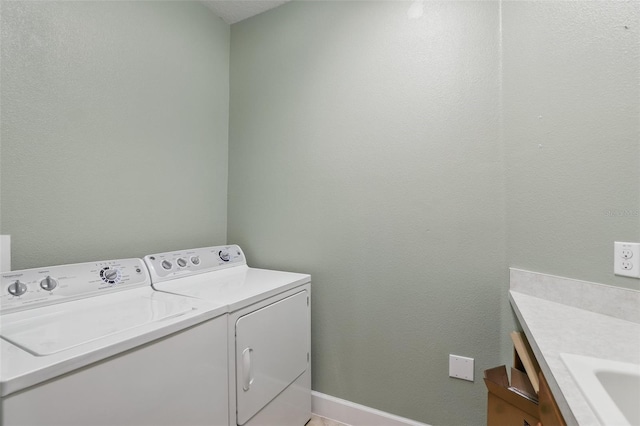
(626, 253)
(626, 259)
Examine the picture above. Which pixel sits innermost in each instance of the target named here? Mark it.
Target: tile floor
(322, 421)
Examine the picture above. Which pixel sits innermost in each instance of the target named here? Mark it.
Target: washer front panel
(177, 380)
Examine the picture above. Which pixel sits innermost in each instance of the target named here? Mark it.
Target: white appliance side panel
(178, 380)
(272, 351)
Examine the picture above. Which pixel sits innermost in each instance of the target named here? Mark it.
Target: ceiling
(232, 11)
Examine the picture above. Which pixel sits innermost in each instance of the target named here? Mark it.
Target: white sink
(611, 388)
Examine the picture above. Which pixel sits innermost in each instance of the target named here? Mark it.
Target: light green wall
(571, 92)
(406, 164)
(396, 160)
(364, 149)
(114, 129)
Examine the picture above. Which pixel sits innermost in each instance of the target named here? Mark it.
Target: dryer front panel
(272, 351)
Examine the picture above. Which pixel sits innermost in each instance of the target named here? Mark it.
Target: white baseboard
(354, 414)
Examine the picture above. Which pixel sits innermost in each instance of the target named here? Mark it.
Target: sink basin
(611, 388)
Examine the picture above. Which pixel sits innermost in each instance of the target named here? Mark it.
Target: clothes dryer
(94, 344)
(268, 329)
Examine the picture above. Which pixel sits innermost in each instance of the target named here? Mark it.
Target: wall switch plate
(5, 253)
(461, 367)
(626, 259)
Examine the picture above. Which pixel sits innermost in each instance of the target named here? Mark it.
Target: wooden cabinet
(549, 413)
(506, 407)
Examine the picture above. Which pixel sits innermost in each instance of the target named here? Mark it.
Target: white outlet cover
(461, 367)
(626, 259)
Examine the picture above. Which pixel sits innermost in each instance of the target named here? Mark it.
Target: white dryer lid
(218, 274)
(235, 287)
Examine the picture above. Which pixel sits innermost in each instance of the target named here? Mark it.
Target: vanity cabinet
(526, 400)
(549, 413)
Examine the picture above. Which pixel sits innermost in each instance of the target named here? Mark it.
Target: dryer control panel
(29, 288)
(174, 264)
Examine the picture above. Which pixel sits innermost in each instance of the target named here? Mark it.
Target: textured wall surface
(114, 129)
(364, 150)
(384, 155)
(571, 91)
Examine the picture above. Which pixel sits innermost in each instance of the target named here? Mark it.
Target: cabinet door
(549, 412)
(272, 350)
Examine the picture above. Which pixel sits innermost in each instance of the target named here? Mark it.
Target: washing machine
(94, 344)
(269, 327)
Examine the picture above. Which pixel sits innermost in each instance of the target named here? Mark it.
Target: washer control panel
(54, 284)
(169, 265)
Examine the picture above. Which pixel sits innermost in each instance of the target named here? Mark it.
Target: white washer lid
(131, 318)
(59, 327)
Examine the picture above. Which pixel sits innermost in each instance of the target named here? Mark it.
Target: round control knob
(17, 288)
(181, 262)
(195, 260)
(110, 274)
(166, 264)
(48, 284)
(224, 255)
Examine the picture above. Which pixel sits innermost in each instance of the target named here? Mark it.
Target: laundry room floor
(322, 421)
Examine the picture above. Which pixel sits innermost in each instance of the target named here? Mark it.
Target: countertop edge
(558, 395)
(554, 328)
